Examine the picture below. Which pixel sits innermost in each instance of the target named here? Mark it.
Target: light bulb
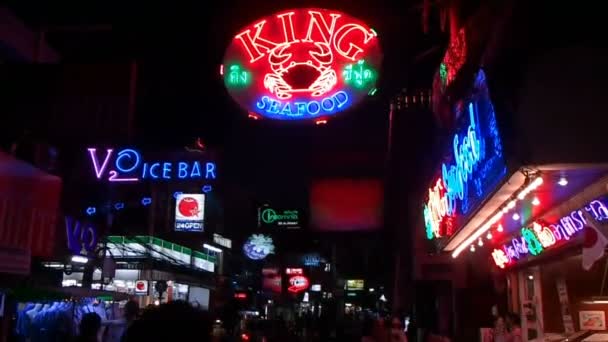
(516, 216)
(500, 228)
(562, 181)
(489, 236)
(535, 201)
(472, 248)
(511, 204)
(480, 243)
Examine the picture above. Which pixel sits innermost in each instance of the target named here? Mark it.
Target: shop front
(152, 270)
(519, 235)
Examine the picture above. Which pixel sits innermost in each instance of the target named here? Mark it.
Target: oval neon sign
(302, 64)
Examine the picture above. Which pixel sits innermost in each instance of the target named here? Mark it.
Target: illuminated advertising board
(269, 217)
(302, 64)
(129, 165)
(298, 284)
(190, 213)
(472, 169)
(355, 285)
(541, 236)
(258, 246)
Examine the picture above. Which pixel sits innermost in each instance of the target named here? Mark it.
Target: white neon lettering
(353, 50)
(99, 170)
(288, 31)
(326, 31)
(253, 45)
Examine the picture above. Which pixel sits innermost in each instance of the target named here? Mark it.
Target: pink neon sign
(128, 165)
(541, 236)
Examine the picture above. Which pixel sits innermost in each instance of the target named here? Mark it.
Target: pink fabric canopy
(29, 203)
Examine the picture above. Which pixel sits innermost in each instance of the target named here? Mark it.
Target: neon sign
(472, 168)
(302, 64)
(128, 165)
(269, 217)
(298, 283)
(258, 247)
(82, 239)
(540, 236)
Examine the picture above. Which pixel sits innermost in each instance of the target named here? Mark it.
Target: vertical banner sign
(562, 292)
(189, 212)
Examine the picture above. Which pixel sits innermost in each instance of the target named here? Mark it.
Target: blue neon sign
(128, 165)
(295, 110)
(472, 169)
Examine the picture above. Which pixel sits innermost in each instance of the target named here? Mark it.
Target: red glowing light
(321, 121)
(294, 271)
(222, 69)
(302, 63)
(253, 116)
(456, 56)
(298, 283)
(245, 337)
(240, 295)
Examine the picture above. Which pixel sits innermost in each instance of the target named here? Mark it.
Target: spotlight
(516, 216)
(500, 229)
(480, 243)
(489, 236)
(562, 181)
(472, 248)
(535, 201)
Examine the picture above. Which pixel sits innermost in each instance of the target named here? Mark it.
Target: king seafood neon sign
(302, 64)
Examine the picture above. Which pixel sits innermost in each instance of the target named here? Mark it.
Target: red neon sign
(294, 271)
(302, 64)
(298, 283)
(240, 295)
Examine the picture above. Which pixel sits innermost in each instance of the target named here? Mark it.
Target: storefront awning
(29, 200)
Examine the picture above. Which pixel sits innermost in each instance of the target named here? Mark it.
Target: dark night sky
(180, 93)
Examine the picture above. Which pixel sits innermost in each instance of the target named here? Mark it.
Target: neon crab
(316, 56)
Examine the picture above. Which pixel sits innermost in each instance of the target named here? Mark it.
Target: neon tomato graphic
(141, 286)
(188, 207)
(298, 283)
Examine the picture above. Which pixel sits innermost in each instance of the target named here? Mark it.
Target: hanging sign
(472, 168)
(190, 213)
(302, 64)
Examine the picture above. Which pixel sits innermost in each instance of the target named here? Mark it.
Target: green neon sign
(358, 75)
(287, 217)
(237, 76)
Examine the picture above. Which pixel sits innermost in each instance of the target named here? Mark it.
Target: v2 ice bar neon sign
(128, 165)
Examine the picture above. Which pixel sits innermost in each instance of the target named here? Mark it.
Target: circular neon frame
(302, 64)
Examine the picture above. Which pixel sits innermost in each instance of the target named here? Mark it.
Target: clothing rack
(43, 321)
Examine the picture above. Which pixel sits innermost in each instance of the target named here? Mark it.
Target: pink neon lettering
(99, 170)
(253, 45)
